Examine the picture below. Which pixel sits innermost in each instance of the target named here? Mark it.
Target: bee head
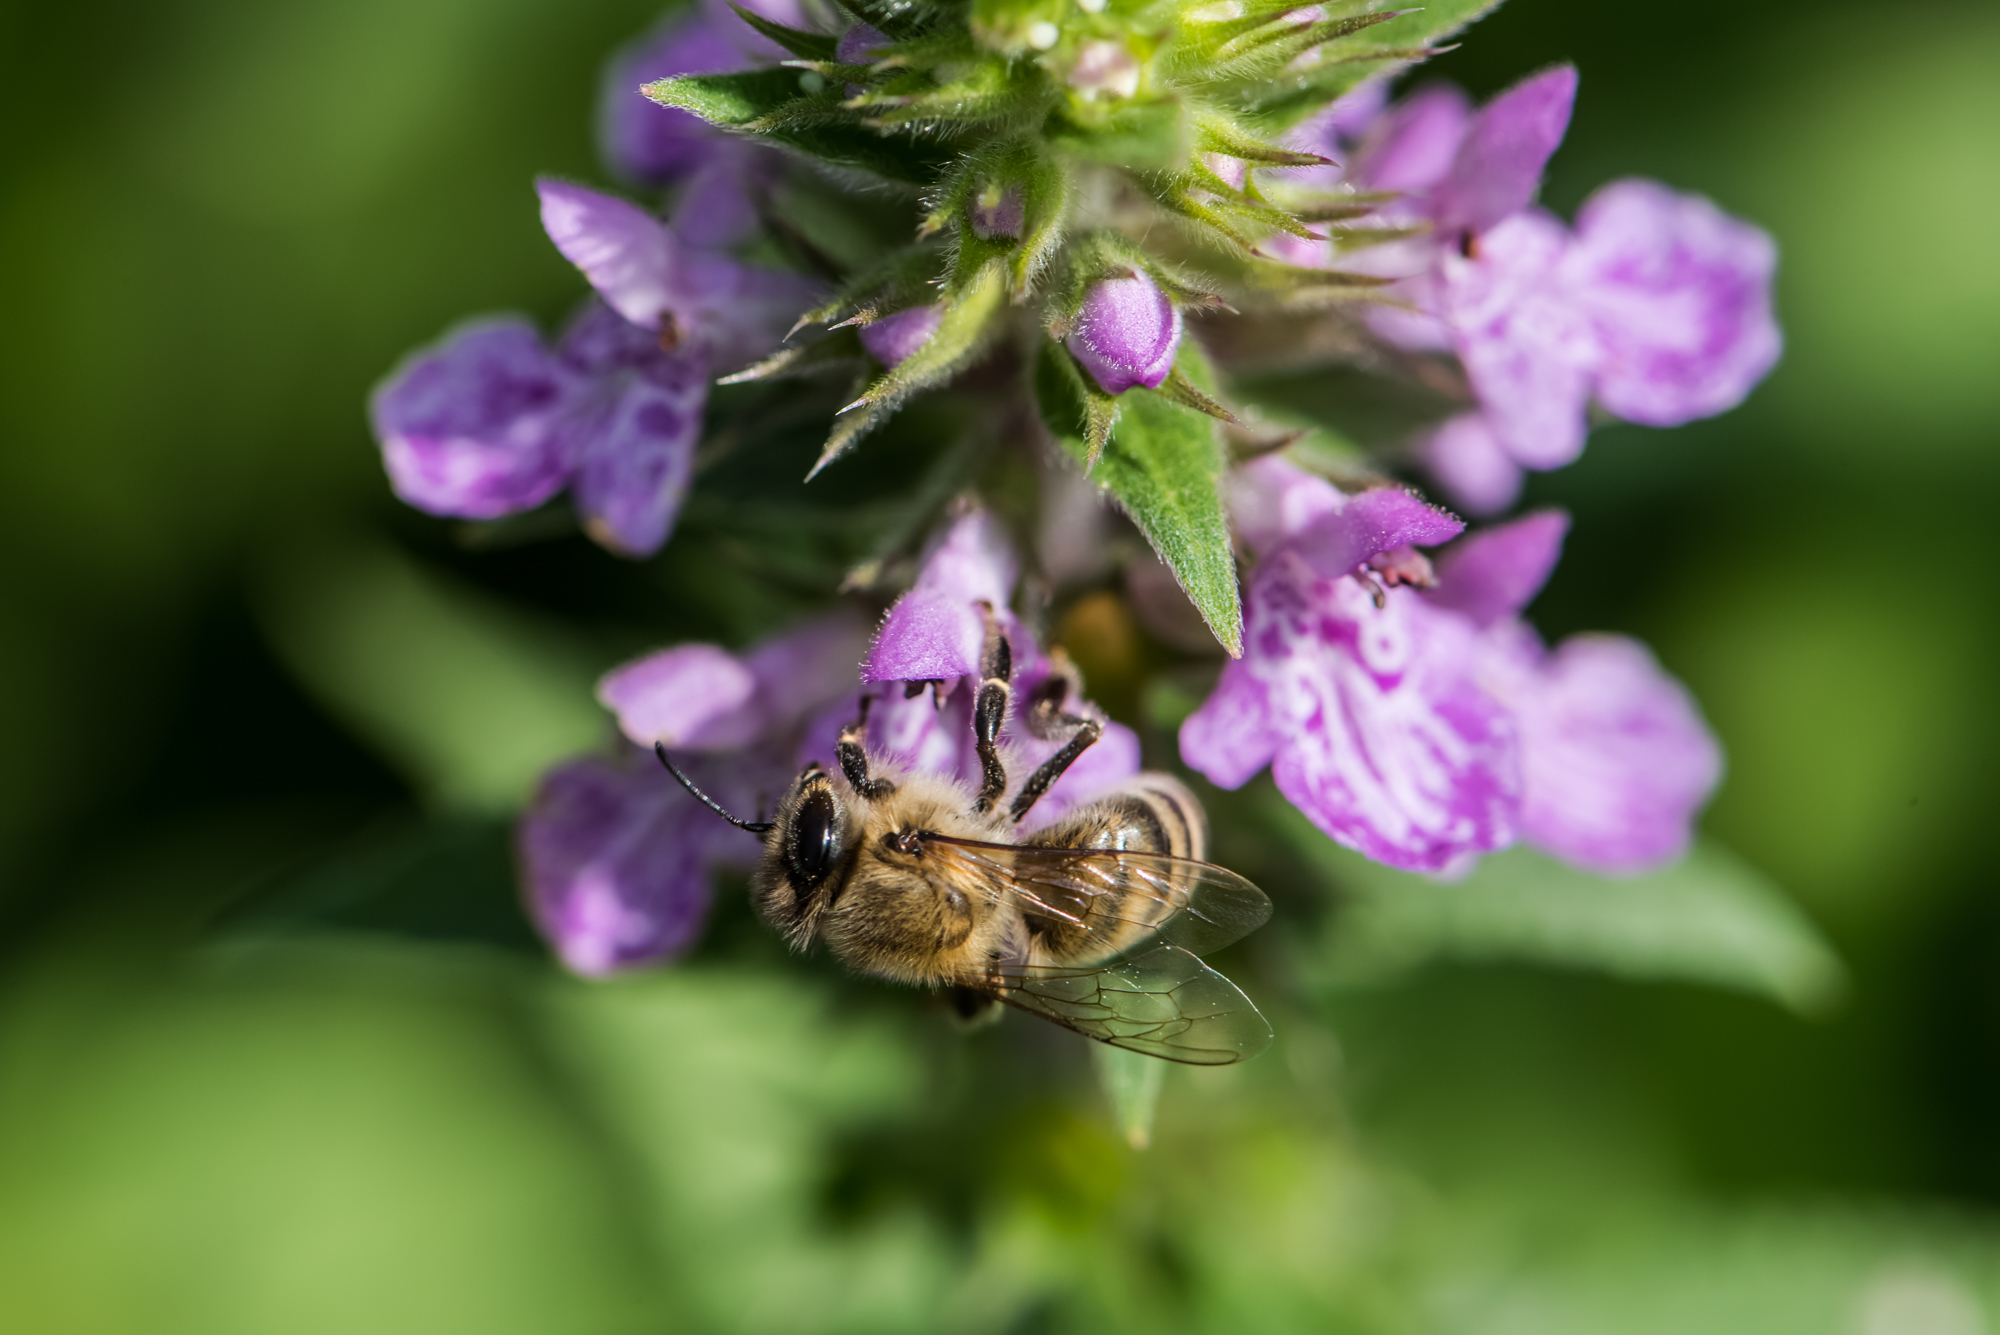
(805, 855)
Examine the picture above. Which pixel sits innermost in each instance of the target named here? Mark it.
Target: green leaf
(1131, 1083)
(1070, 400)
(1709, 918)
(1164, 466)
(804, 45)
(772, 104)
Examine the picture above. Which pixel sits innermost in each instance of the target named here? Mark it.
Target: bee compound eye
(814, 843)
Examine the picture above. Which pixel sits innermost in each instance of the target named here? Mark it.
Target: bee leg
(972, 1008)
(989, 712)
(1042, 711)
(1086, 735)
(852, 750)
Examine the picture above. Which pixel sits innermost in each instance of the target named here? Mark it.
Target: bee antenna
(754, 826)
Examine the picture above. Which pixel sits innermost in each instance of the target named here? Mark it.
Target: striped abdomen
(1109, 904)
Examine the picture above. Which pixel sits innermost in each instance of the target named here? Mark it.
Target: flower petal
(636, 455)
(1680, 294)
(1236, 732)
(1527, 349)
(801, 669)
(628, 255)
(1384, 739)
(692, 695)
(614, 861)
(1498, 571)
(936, 631)
(642, 140)
(1413, 146)
(1616, 760)
(1498, 167)
(1377, 520)
(1272, 499)
(1466, 461)
(468, 426)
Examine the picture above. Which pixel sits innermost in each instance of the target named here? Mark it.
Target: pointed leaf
(1131, 1082)
(773, 105)
(1164, 465)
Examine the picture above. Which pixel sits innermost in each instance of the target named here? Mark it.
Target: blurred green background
(276, 1054)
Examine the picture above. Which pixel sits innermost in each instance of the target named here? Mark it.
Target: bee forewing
(1163, 1002)
(1119, 899)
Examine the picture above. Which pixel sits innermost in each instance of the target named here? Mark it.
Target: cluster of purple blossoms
(1414, 717)
(1404, 706)
(491, 420)
(620, 861)
(1657, 305)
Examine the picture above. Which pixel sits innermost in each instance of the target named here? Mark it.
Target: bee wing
(1163, 1002)
(1196, 906)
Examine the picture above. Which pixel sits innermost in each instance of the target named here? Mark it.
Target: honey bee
(1095, 922)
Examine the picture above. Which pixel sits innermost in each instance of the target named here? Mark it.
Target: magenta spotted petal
(471, 426)
(936, 631)
(1127, 333)
(614, 858)
(1381, 736)
(1527, 348)
(1496, 572)
(1616, 760)
(1679, 293)
(893, 338)
(1498, 166)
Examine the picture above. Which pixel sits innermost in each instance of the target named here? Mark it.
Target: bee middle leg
(852, 749)
(1045, 717)
(989, 713)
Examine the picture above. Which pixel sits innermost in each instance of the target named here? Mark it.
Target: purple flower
(1127, 333)
(892, 338)
(1361, 699)
(1615, 758)
(1658, 306)
(936, 633)
(468, 427)
(1426, 728)
(491, 421)
(618, 860)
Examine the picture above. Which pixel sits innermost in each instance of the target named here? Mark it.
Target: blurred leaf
(1132, 1083)
(1164, 465)
(1401, 41)
(469, 697)
(1709, 918)
(1137, 136)
(773, 103)
(805, 45)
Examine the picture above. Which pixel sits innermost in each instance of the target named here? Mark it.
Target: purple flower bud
(472, 425)
(997, 213)
(894, 337)
(1127, 333)
(1104, 70)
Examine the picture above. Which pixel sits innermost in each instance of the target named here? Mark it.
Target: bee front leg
(852, 749)
(1044, 778)
(989, 712)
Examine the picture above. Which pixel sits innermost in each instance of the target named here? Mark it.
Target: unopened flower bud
(1127, 333)
(997, 212)
(894, 337)
(1104, 70)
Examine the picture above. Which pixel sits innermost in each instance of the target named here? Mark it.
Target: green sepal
(1070, 386)
(1282, 101)
(966, 322)
(1139, 134)
(1187, 394)
(1213, 134)
(771, 105)
(840, 352)
(1163, 464)
(1131, 1082)
(893, 279)
(804, 45)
